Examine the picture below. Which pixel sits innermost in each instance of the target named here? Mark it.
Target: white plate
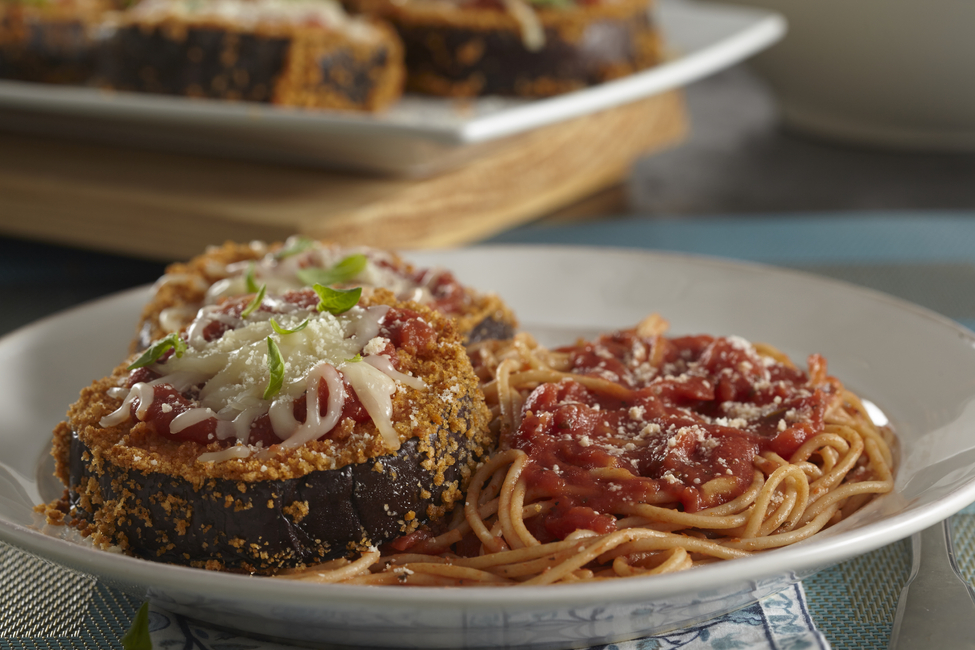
(919, 367)
(418, 136)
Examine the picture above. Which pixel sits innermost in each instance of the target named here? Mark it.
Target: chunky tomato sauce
(447, 295)
(403, 328)
(685, 431)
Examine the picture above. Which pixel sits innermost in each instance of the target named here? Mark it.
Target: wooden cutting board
(170, 206)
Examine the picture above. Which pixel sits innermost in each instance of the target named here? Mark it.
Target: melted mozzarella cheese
(375, 390)
(140, 391)
(384, 364)
(172, 319)
(232, 374)
(532, 32)
(297, 433)
(230, 453)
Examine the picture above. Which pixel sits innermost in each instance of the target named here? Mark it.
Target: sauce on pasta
(681, 432)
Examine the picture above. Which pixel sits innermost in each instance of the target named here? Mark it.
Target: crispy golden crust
(146, 493)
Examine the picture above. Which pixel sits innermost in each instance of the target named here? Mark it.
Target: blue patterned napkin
(779, 622)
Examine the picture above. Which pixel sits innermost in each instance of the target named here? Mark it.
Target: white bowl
(917, 366)
(895, 73)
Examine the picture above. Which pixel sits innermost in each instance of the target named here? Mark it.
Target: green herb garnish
(337, 301)
(356, 359)
(275, 367)
(255, 302)
(249, 279)
(299, 245)
(344, 271)
(138, 638)
(159, 348)
(284, 331)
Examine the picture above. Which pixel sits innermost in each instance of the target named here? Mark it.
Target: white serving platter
(917, 366)
(416, 137)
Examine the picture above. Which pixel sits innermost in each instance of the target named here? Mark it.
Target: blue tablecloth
(927, 258)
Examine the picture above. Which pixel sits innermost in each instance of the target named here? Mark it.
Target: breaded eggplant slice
(234, 269)
(50, 41)
(206, 456)
(524, 48)
(306, 53)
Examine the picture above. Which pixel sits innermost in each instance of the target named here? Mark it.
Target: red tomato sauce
(448, 296)
(704, 413)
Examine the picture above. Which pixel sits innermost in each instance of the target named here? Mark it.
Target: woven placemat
(853, 603)
(41, 598)
(963, 528)
(49, 607)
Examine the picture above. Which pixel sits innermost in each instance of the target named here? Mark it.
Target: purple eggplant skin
(266, 526)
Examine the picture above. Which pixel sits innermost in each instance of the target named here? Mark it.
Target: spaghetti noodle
(639, 454)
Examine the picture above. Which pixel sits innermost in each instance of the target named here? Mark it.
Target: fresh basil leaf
(337, 301)
(275, 367)
(298, 245)
(344, 271)
(284, 331)
(251, 282)
(159, 348)
(255, 302)
(138, 638)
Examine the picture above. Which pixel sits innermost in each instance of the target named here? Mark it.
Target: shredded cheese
(232, 373)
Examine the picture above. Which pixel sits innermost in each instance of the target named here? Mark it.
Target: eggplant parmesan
(234, 269)
(50, 41)
(306, 53)
(527, 48)
(276, 431)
